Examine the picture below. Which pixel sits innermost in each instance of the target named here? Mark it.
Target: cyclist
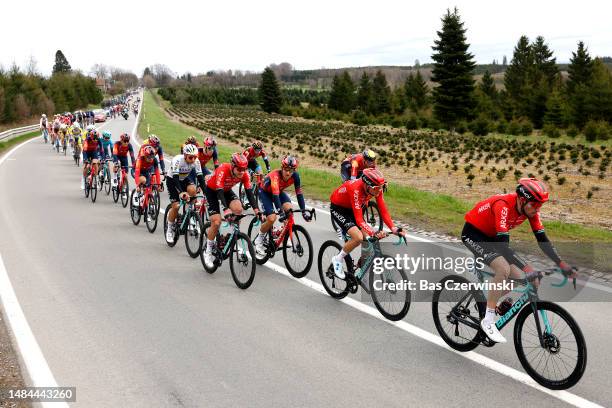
(121, 149)
(347, 203)
(272, 195)
(43, 127)
(206, 152)
(63, 133)
(91, 153)
(219, 188)
(107, 145)
(56, 129)
(252, 153)
(352, 167)
(145, 164)
(191, 140)
(154, 142)
(486, 233)
(75, 132)
(184, 172)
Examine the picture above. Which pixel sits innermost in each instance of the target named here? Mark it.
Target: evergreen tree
(453, 97)
(381, 94)
(517, 74)
(416, 91)
(487, 85)
(545, 64)
(555, 110)
(505, 62)
(364, 93)
(342, 96)
(61, 63)
(599, 94)
(269, 92)
(580, 69)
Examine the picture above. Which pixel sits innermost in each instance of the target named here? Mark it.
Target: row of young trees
(24, 94)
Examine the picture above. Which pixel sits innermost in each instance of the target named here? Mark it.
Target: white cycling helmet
(90, 128)
(44, 115)
(76, 125)
(190, 149)
(63, 126)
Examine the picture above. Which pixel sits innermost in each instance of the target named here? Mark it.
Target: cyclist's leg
(234, 203)
(345, 171)
(214, 211)
(174, 198)
(268, 209)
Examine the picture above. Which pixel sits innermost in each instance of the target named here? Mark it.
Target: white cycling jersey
(183, 169)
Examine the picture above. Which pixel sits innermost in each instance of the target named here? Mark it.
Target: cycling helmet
(106, 135)
(532, 189)
(210, 142)
(76, 125)
(125, 137)
(369, 155)
(289, 162)
(190, 150)
(44, 115)
(94, 134)
(192, 140)
(90, 128)
(257, 145)
(63, 126)
(239, 161)
(373, 178)
(148, 151)
(154, 140)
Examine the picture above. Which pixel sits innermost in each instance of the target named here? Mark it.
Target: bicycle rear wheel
(125, 193)
(560, 363)
(107, 180)
(116, 193)
(192, 234)
(371, 215)
(176, 235)
(242, 263)
(203, 237)
(297, 252)
(150, 214)
(334, 286)
(450, 308)
(134, 209)
(392, 302)
(94, 188)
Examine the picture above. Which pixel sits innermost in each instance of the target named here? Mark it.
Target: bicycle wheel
(450, 308)
(134, 209)
(107, 181)
(115, 193)
(202, 243)
(150, 214)
(157, 200)
(125, 190)
(253, 233)
(243, 197)
(241, 261)
(192, 234)
(94, 188)
(561, 362)
(87, 186)
(176, 235)
(371, 215)
(392, 302)
(334, 286)
(297, 252)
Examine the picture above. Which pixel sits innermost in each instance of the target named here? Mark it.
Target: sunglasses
(190, 157)
(535, 205)
(288, 169)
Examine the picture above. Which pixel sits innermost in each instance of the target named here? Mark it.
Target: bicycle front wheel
(94, 188)
(107, 181)
(297, 252)
(125, 193)
(242, 261)
(390, 292)
(243, 197)
(559, 361)
(134, 209)
(151, 214)
(334, 286)
(193, 232)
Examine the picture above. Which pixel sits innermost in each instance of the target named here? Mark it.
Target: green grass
(5, 146)
(431, 211)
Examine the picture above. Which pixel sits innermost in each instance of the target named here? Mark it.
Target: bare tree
(100, 70)
(149, 81)
(32, 66)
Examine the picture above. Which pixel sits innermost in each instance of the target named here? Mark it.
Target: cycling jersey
(91, 144)
(355, 163)
(158, 149)
(205, 158)
(352, 194)
(184, 170)
(121, 151)
(497, 215)
(274, 184)
(106, 147)
(223, 179)
(252, 156)
(144, 167)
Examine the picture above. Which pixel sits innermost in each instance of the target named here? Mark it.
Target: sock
(342, 254)
(490, 315)
(209, 244)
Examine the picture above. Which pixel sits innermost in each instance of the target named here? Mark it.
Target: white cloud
(199, 36)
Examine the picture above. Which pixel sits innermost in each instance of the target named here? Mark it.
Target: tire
(192, 234)
(202, 243)
(301, 240)
(335, 287)
(116, 194)
(371, 214)
(151, 215)
(94, 188)
(243, 197)
(386, 308)
(470, 338)
(87, 187)
(125, 196)
(107, 181)
(134, 210)
(253, 230)
(239, 258)
(558, 346)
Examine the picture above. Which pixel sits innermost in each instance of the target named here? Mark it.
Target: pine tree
(342, 95)
(544, 63)
(517, 74)
(555, 110)
(487, 85)
(454, 95)
(270, 98)
(364, 93)
(505, 62)
(580, 69)
(599, 94)
(416, 90)
(61, 63)
(381, 94)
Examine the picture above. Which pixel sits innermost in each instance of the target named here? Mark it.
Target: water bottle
(504, 306)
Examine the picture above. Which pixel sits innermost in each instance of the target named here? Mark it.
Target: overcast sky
(248, 35)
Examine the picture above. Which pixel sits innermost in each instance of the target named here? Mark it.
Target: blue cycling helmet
(106, 134)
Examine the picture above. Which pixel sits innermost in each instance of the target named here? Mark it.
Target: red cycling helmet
(239, 161)
(289, 162)
(125, 137)
(257, 145)
(154, 140)
(210, 142)
(373, 178)
(148, 151)
(192, 140)
(532, 189)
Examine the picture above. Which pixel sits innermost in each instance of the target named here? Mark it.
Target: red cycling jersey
(144, 165)
(224, 179)
(251, 154)
(358, 163)
(90, 144)
(352, 194)
(498, 215)
(274, 183)
(121, 149)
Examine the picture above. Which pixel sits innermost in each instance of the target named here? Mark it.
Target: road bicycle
(234, 245)
(188, 222)
(388, 289)
(91, 182)
(256, 180)
(64, 145)
(371, 215)
(293, 240)
(548, 341)
(145, 203)
(104, 177)
(76, 154)
(121, 187)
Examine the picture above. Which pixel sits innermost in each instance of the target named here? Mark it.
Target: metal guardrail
(9, 134)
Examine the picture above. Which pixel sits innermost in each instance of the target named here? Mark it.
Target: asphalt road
(131, 322)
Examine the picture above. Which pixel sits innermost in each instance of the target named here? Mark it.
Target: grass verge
(6, 145)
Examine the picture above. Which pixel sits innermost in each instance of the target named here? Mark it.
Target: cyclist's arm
(160, 154)
(356, 198)
(354, 168)
(266, 161)
(297, 184)
(246, 181)
(199, 174)
(157, 171)
(215, 157)
(137, 175)
(384, 212)
(543, 242)
(116, 152)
